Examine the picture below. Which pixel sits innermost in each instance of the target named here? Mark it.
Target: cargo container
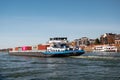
(18, 48)
(34, 48)
(25, 48)
(42, 47)
(10, 49)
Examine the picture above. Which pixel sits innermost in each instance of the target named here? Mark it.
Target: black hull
(40, 54)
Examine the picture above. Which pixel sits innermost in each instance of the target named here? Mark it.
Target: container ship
(55, 47)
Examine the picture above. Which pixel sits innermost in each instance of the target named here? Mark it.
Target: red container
(24, 48)
(18, 48)
(10, 49)
(42, 47)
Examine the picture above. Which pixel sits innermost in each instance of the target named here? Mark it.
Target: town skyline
(30, 22)
(88, 41)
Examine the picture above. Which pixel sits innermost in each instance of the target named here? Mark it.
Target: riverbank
(88, 49)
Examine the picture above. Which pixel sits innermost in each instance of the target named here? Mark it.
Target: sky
(31, 22)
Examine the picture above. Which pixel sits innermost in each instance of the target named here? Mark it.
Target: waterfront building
(110, 38)
(92, 41)
(107, 38)
(76, 42)
(117, 42)
(84, 41)
(117, 37)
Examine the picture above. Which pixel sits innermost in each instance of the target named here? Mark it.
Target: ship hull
(48, 54)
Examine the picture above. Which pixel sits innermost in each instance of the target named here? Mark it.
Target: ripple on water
(71, 68)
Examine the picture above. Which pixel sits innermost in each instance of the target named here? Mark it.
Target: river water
(84, 67)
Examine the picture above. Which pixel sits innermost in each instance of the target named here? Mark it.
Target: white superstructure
(57, 44)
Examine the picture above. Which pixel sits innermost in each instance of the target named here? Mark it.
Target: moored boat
(105, 48)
